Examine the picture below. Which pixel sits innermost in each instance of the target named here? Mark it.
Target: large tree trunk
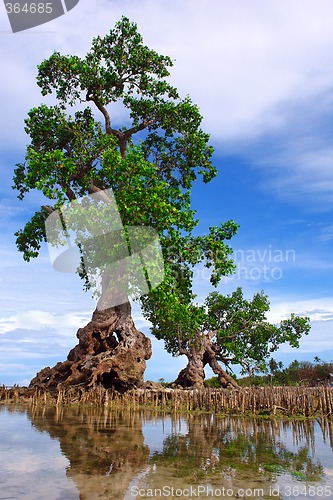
(193, 375)
(224, 378)
(199, 355)
(110, 352)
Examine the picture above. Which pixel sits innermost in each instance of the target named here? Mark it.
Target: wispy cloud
(317, 309)
(319, 340)
(303, 171)
(36, 320)
(255, 69)
(240, 61)
(326, 234)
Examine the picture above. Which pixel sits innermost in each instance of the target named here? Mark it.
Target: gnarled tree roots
(110, 352)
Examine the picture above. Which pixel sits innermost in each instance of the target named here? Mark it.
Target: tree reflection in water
(105, 449)
(240, 446)
(108, 453)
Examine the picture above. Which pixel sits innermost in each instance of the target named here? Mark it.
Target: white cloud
(302, 173)
(37, 286)
(9, 209)
(239, 60)
(326, 234)
(255, 68)
(318, 309)
(162, 364)
(36, 320)
(319, 340)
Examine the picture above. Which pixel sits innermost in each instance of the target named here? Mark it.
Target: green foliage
(297, 373)
(71, 154)
(242, 333)
(212, 382)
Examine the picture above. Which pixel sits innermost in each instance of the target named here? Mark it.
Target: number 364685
(29, 8)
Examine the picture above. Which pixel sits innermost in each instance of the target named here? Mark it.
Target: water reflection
(123, 455)
(105, 450)
(241, 454)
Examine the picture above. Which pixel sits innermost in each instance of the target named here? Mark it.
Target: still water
(85, 454)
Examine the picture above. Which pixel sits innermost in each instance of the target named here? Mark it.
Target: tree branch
(102, 193)
(146, 123)
(48, 208)
(109, 130)
(181, 349)
(70, 193)
(122, 137)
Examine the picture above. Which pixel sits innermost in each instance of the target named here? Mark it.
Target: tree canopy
(72, 154)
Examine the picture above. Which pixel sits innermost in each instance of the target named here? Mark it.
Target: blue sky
(262, 75)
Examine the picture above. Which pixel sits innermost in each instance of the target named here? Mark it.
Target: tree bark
(224, 378)
(193, 375)
(111, 352)
(199, 355)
